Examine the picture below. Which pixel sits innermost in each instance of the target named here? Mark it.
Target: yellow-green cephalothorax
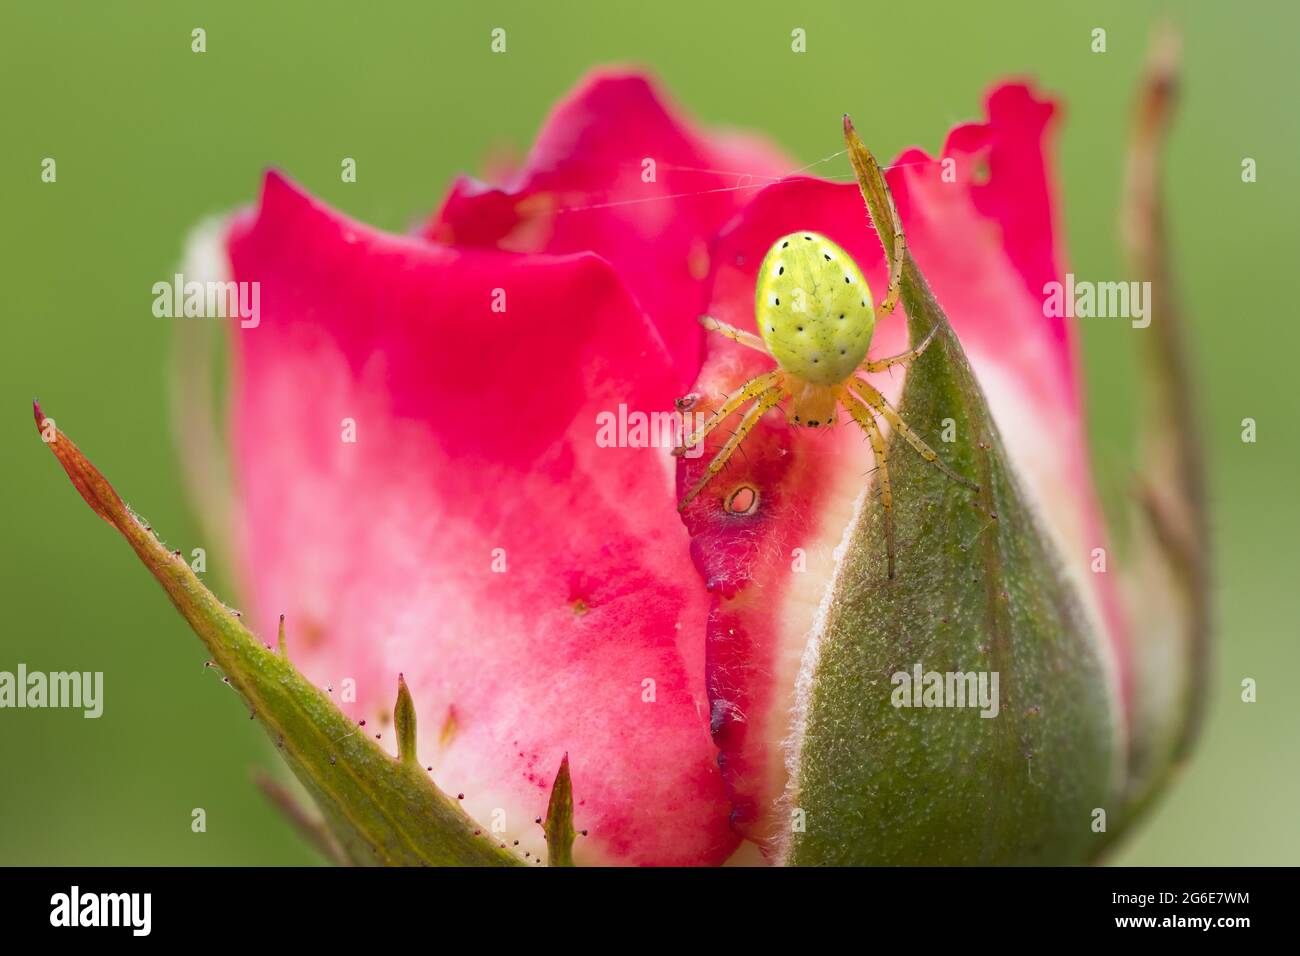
(813, 308)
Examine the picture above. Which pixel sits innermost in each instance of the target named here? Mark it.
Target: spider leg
(736, 335)
(902, 358)
(754, 387)
(869, 175)
(896, 264)
(879, 403)
(765, 402)
(863, 417)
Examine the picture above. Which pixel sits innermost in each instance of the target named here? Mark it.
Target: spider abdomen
(813, 308)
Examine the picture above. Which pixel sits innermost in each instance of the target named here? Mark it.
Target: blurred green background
(150, 138)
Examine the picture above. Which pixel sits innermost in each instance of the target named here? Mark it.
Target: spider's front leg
(871, 180)
(752, 389)
(896, 260)
(766, 401)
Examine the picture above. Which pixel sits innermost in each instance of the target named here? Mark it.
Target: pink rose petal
(476, 431)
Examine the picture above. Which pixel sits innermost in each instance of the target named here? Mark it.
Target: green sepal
(978, 589)
(380, 810)
(404, 721)
(558, 825)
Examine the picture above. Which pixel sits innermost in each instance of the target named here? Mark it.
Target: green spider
(814, 312)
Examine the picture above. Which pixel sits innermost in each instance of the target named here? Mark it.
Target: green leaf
(978, 589)
(379, 809)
